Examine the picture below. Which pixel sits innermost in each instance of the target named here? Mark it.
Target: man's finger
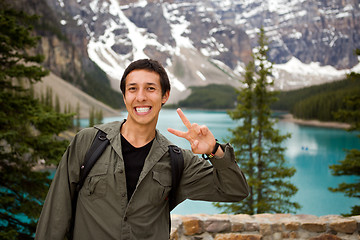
(177, 132)
(204, 130)
(195, 127)
(184, 118)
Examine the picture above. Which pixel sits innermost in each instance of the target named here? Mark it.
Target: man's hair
(150, 65)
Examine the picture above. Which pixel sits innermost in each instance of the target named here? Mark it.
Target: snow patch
(78, 20)
(356, 68)
(201, 75)
(93, 5)
(61, 3)
(141, 3)
(295, 34)
(295, 66)
(179, 27)
(106, 59)
(176, 83)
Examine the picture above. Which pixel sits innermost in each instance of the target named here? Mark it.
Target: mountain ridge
(196, 25)
(204, 42)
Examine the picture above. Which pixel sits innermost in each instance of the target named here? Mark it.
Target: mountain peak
(203, 42)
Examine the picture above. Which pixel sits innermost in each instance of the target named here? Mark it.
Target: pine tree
(77, 126)
(258, 147)
(99, 117)
(57, 104)
(49, 97)
(91, 116)
(28, 129)
(350, 166)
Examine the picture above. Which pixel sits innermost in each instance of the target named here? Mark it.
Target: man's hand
(201, 139)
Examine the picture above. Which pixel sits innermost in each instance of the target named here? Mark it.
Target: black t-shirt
(134, 159)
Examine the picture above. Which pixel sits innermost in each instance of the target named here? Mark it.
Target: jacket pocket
(161, 186)
(96, 182)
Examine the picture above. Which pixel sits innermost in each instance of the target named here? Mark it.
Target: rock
(191, 225)
(217, 223)
(237, 236)
(344, 225)
(325, 237)
(314, 226)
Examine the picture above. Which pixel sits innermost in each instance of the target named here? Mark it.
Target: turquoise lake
(310, 150)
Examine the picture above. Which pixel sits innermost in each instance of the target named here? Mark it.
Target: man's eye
(132, 89)
(151, 88)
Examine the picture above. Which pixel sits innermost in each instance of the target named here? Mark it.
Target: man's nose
(141, 95)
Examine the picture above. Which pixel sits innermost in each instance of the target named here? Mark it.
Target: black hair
(150, 65)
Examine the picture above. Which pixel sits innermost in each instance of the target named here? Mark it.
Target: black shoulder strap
(98, 146)
(177, 167)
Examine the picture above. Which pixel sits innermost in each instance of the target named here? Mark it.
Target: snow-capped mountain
(325, 31)
(210, 41)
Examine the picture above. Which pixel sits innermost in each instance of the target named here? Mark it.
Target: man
(125, 196)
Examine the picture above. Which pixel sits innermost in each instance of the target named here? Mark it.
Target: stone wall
(264, 226)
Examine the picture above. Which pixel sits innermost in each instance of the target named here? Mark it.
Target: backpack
(98, 146)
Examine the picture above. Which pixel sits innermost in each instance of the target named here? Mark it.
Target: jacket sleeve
(56, 212)
(220, 181)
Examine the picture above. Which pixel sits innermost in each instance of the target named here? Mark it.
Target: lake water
(310, 150)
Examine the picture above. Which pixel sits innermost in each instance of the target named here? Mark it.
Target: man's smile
(142, 109)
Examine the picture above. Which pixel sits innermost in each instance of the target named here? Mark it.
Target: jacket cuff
(225, 161)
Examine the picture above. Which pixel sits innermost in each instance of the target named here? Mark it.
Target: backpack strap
(98, 146)
(177, 167)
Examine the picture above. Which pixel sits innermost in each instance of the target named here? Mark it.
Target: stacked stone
(264, 226)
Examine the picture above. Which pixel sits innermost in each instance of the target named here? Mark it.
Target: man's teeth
(142, 109)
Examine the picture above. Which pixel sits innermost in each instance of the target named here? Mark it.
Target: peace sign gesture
(201, 139)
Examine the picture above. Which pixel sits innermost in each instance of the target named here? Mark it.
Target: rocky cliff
(325, 31)
(64, 49)
(64, 45)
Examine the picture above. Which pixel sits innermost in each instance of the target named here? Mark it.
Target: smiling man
(125, 195)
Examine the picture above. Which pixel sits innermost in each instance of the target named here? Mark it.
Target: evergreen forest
(29, 133)
(319, 102)
(213, 96)
(315, 102)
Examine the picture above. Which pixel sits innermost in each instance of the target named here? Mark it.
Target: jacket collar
(112, 130)
(157, 151)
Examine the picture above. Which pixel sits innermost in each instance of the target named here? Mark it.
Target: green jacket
(103, 211)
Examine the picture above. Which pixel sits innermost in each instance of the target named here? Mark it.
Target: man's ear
(165, 97)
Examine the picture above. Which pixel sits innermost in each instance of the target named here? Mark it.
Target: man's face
(143, 97)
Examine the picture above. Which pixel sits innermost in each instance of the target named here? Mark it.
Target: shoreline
(288, 117)
(314, 123)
